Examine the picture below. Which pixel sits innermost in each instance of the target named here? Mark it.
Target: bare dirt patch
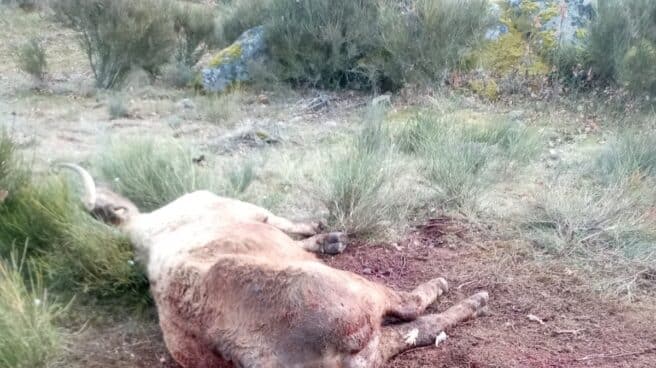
(571, 326)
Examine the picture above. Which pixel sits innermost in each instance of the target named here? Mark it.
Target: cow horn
(89, 198)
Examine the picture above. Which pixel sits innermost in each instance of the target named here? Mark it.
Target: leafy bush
(28, 337)
(117, 35)
(32, 59)
(460, 160)
(196, 30)
(622, 44)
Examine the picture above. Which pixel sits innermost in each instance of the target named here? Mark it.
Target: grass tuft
(28, 336)
(461, 160)
(357, 185)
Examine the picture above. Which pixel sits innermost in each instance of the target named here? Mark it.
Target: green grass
(28, 335)
(357, 184)
(631, 154)
(152, 172)
(77, 254)
(461, 160)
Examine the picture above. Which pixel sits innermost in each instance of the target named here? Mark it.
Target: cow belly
(304, 314)
(186, 347)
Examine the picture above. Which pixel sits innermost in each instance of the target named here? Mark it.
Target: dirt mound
(569, 326)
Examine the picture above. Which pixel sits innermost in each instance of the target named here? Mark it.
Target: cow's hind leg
(302, 229)
(409, 305)
(424, 330)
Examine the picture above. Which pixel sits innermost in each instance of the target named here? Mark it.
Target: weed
(28, 336)
(116, 107)
(151, 172)
(32, 59)
(357, 185)
(118, 35)
(196, 31)
(177, 74)
(589, 224)
(461, 160)
(224, 108)
(631, 155)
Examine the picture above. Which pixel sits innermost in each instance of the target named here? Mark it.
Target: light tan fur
(234, 289)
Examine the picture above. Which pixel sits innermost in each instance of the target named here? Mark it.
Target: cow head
(102, 203)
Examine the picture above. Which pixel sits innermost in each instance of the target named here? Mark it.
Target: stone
(230, 65)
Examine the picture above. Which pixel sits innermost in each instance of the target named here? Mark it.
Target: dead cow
(233, 289)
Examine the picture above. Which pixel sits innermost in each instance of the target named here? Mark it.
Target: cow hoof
(335, 243)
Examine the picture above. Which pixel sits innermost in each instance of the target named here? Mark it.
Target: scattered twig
(465, 284)
(567, 332)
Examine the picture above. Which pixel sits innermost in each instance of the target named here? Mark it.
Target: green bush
(32, 59)
(622, 44)
(432, 38)
(76, 253)
(116, 107)
(362, 44)
(196, 30)
(28, 337)
(117, 35)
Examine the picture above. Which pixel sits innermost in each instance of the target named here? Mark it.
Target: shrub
(320, 42)
(117, 35)
(622, 44)
(461, 160)
(362, 44)
(116, 107)
(32, 59)
(224, 108)
(195, 27)
(237, 16)
(432, 37)
(28, 337)
(152, 173)
(178, 74)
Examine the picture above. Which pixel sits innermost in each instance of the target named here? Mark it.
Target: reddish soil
(579, 328)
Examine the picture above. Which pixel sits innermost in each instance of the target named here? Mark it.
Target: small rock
(367, 271)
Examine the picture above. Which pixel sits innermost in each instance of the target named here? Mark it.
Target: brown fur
(233, 289)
